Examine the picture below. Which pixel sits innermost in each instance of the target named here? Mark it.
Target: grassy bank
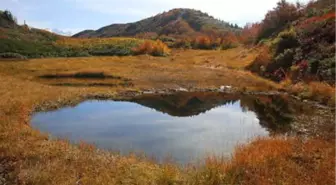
(29, 157)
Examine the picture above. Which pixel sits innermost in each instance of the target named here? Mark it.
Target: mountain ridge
(174, 22)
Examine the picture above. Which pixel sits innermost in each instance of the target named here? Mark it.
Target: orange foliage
(228, 40)
(249, 33)
(283, 161)
(275, 161)
(307, 22)
(155, 48)
(264, 56)
(203, 42)
(214, 40)
(229, 37)
(322, 92)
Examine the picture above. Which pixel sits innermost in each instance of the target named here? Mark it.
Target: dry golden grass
(322, 92)
(317, 91)
(29, 157)
(183, 68)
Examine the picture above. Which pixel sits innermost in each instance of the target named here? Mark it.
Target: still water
(182, 127)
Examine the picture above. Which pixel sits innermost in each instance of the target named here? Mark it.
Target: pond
(183, 127)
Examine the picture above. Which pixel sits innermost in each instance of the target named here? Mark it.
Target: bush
(9, 55)
(285, 40)
(260, 63)
(284, 60)
(322, 92)
(228, 45)
(182, 43)
(327, 68)
(155, 48)
(202, 42)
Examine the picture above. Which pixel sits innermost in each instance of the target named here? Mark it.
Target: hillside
(297, 42)
(22, 41)
(173, 22)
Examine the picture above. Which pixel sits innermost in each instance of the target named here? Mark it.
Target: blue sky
(77, 15)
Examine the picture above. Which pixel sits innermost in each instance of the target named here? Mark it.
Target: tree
(9, 16)
(276, 19)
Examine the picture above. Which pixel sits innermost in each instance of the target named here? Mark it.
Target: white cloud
(62, 32)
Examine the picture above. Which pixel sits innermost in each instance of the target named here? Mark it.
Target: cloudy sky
(72, 16)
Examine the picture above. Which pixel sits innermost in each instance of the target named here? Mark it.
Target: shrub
(327, 68)
(155, 48)
(228, 45)
(260, 63)
(182, 43)
(283, 60)
(285, 40)
(9, 55)
(202, 42)
(249, 33)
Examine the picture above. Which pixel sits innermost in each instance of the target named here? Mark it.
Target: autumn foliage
(276, 19)
(249, 33)
(306, 23)
(202, 42)
(155, 48)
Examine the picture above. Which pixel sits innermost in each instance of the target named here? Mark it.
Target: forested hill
(173, 22)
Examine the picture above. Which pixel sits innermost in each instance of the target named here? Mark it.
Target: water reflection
(274, 112)
(184, 126)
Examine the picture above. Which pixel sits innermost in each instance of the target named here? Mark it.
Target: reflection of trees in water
(274, 112)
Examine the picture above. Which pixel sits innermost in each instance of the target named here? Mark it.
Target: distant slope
(23, 40)
(173, 22)
(84, 34)
(18, 41)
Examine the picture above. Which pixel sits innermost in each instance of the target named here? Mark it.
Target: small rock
(182, 89)
(302, 131)
(225, 87)
(148, 92)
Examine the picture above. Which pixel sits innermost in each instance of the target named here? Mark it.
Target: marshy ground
(29, 157)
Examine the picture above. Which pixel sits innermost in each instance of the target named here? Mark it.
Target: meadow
(29, 157)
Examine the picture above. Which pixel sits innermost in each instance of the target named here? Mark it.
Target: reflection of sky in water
(128, 127)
